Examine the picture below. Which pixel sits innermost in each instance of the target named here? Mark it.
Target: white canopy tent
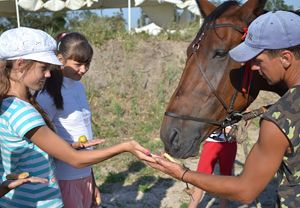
(161, 12)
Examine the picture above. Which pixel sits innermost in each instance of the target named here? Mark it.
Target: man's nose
(254, 67)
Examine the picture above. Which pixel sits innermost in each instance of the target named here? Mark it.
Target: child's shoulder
(14, 102)
(15, 106)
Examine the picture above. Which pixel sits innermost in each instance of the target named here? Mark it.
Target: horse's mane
(216, 13)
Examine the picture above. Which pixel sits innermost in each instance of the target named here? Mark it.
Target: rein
(232, 116)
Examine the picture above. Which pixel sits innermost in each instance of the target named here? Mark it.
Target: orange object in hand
(16, 176)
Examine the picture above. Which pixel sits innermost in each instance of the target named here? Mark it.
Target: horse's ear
(251, 9)
(205, 7)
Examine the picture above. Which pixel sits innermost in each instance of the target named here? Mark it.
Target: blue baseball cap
(273, 30)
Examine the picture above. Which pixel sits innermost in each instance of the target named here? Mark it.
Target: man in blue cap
(272, 45)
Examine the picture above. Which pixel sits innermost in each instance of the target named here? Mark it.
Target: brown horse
(209, 95)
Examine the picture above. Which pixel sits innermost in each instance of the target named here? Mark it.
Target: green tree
(98, 29)
(51, 22)
(277, 5)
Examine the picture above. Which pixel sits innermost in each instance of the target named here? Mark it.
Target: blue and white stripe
(19, 154)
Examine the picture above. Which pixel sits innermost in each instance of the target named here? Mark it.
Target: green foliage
(98, 29)
(277, 5)
(184, 205)
(51, 22)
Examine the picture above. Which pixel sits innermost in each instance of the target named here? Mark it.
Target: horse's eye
(220, 54)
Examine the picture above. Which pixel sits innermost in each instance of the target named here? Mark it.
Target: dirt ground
(168, 193)
(151, 59)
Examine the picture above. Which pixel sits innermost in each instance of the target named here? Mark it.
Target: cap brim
(243, 52)
(45, 57)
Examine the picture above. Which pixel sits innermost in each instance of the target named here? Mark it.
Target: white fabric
(151, 29)
(191, 5)
(54, 5)
(28, 43)
(220, 138)
(31, 5)
(217, 137)
(162, 15)
(162, 12)
(70, 123)
(74, 5)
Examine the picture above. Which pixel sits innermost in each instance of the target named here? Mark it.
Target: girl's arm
(55, 146)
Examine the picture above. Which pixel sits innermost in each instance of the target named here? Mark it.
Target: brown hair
(5, 69)
(294, 49)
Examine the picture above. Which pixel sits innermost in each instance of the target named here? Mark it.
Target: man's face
(268, 67)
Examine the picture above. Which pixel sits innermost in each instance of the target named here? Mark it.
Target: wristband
(185, 171)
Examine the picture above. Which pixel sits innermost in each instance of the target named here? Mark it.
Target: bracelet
(185, 171)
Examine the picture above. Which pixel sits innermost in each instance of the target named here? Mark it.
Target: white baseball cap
(29, 44)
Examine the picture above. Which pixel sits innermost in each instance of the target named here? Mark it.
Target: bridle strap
(191, 118)
(232, 116)
(212, 88)
(236, 27)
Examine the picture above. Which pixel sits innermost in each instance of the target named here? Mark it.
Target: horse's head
(209, 89)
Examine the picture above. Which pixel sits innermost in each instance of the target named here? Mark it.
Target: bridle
(232, 116)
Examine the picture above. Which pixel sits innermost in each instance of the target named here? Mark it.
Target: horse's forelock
(212, 17)
(221, 9)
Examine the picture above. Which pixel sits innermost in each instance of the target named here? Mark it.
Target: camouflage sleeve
(286, 115)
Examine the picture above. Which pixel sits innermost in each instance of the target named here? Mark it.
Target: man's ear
(286, 58)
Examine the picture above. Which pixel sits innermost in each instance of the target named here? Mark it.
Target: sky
(136, 12)
(295, 3)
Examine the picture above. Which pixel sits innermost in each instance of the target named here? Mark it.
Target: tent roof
(160, 11)
(8, 8)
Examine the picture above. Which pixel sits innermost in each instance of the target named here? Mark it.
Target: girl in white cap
(65, 102)
(27, 142)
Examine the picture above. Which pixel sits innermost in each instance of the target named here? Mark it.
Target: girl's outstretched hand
(12, 184)
(140, 152)
(171, 168)
(89, 143)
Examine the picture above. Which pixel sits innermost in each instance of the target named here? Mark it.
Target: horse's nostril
(174, 139)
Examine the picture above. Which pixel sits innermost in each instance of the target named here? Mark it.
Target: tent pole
(17, 12)
(129, 15)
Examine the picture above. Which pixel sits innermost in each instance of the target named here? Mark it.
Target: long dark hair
(70, 46)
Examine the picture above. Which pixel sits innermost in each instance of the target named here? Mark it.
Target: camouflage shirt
(285, 113)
